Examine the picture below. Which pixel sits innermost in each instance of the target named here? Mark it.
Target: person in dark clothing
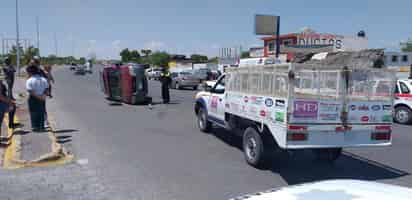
(5, 102)
(9, 73)
(165, 79)
(37, 86)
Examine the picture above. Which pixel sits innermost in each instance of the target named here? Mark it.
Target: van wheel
(253, 148)
(403, 115)
(328, 154)
(203, 123)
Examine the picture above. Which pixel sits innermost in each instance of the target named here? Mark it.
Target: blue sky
(186, 26)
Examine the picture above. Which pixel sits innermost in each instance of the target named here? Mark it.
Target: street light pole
(17, 39)
(38, 35)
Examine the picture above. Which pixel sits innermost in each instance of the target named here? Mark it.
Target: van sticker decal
(386, 107)
(305, 109)
(280, 103)
(280, 116)
(269, 102)
(376, 107)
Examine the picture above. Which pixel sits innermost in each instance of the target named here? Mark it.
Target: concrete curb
(12, 155)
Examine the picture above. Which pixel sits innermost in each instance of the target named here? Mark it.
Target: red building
(310, 41)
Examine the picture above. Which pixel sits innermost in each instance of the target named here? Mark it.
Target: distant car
(80, 70)
(334, 189)
(154, 73)
(202, 73)
(73, 66)
(184, 79)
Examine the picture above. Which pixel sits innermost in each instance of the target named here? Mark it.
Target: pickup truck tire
(328, 154)
(253, 148)
(194, 87)
(403, 115)
(203, 123)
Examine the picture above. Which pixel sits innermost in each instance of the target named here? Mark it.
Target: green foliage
(146, 52)
(29, 54)
(245, 54)
(197, 58)
(214, 60)
(125, 55)
(407, 46)
(130, 56)
(160, 59)
(82, 60)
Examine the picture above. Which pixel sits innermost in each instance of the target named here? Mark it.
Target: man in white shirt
(37, 86)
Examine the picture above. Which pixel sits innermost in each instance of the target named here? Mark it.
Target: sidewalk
(24, 148)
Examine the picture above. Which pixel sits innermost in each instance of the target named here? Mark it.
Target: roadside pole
(17, 39)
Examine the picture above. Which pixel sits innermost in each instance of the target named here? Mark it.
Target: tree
(29, 54)
(214, 60)
(13, 55)
(82, 60)
(146, 52)
(134, 56)
(197, 58)
(407, 46)
(160, 59)
(125, 55)
(245, 54)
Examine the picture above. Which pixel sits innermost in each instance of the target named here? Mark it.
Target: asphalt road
(133, 152)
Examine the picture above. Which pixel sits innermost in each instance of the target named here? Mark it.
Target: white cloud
(155, 45)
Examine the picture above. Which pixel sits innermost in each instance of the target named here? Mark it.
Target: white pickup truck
(292, 107)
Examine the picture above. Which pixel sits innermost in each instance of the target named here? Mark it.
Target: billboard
(266, 24)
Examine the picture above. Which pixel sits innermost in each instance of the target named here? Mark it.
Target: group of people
(38, 86)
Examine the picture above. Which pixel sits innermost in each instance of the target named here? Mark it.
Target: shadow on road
(61, 139)
(302, 167)
(65, 131)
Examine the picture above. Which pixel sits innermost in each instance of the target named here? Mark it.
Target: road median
(25, 148)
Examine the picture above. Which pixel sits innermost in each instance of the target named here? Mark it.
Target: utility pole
(17, 39)
(55, 44)
(38, 35)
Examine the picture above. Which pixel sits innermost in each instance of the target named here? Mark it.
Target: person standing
(5, 103)
(50, 78)
(165, 79)
(36, 86)
(9, 73)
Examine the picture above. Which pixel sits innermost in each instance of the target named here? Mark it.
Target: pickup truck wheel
(204, 124)
(195, 87)
(403, 115)
(253, 148)
(328, 154)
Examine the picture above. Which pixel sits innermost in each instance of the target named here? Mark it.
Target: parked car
(80, 70)
(403, 102)
(184, 79)
(73, 66)
(154, 73)
(201, 74)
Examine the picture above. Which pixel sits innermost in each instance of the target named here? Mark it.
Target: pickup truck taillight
(381, 133)
(297, 133)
